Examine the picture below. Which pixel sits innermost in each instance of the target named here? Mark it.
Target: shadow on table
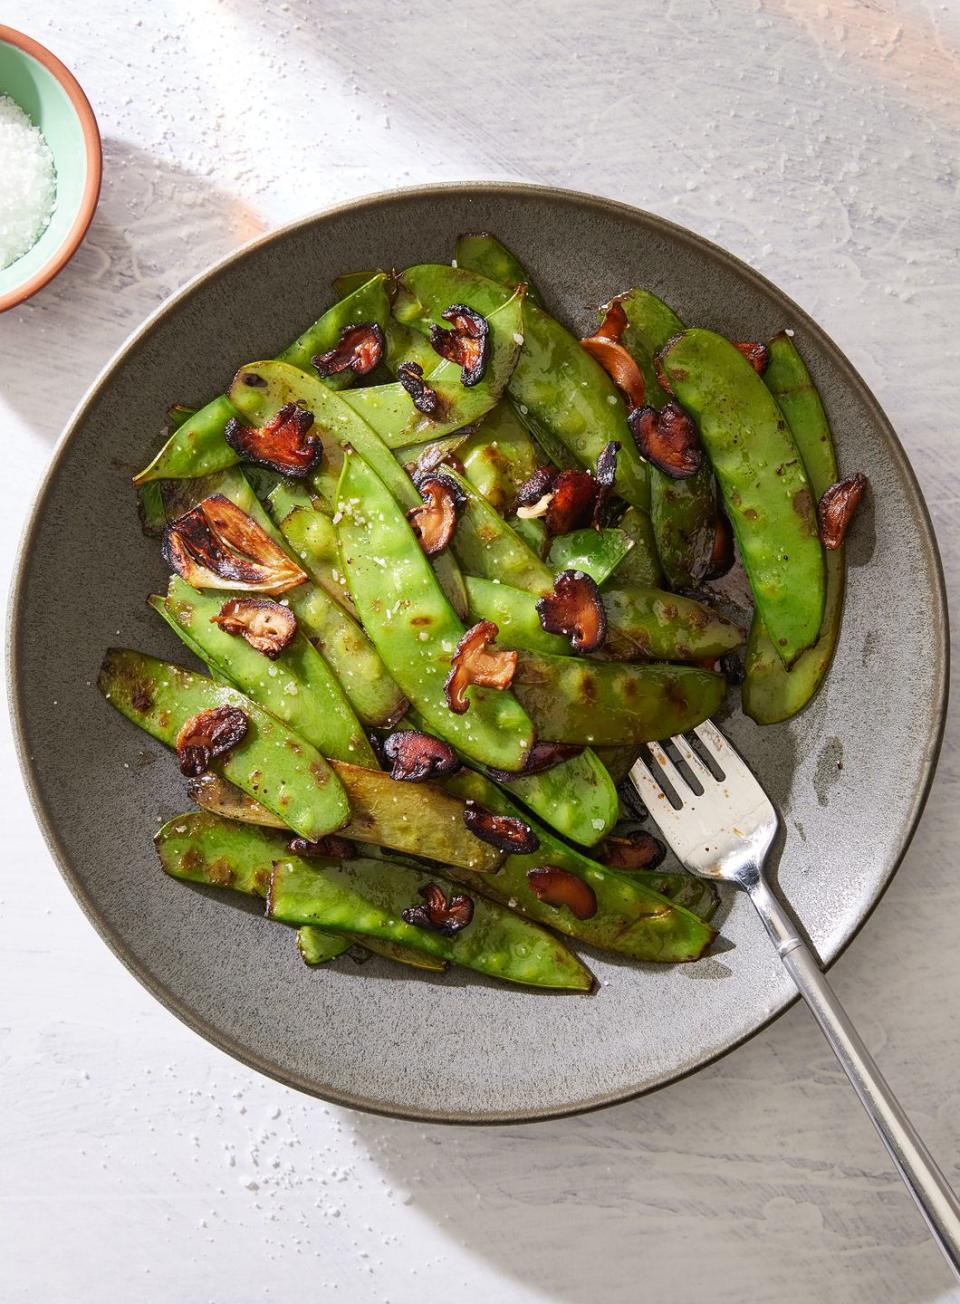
(156, 226)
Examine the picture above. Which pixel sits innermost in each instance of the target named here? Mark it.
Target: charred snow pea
(578, 700)
(390, 411)
(298, 687)
(272, 763)
(771, 692)
(317, 947)
(500, 457)
(515, 613)
(484, 544)
(596, 552)
(197, 447)
(483, 253)
(631, 919)
(641, 564)
(764, 484)
(311, 536)
(557, 387)
(285, 384)
(413, 626)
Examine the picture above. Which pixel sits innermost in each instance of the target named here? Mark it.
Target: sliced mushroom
(476, 662)
(435, 521)
(641, 850)
(614, 321)
(331, 845)
(836, 508)
(217, 546)
(467, 344)
(358, 349)
(721, 554)
(505, 832)
(757, 354)
(425, 399)
(534, 495)
(619, 365)
(668, 439)
(416, 756)
(541, 756)
(207, 735)
(439, 914)
(571, 503)
(267, 626)
(558, 887)
(576, 609)
(284, 444)
(605, 477)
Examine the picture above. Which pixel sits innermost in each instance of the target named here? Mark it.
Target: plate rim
(159, 990)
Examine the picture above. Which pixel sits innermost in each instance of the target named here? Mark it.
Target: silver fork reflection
(721, 824)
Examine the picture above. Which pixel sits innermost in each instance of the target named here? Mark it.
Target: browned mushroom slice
(614, 321)
(668, 439)
(284, 444)
(558, 887)
(836, 508)
(435, 521)
(619, 366)
(571, 505)
(476, 662)
(467, 344)
(439, 914)
(534, 495)
(757, 354)
(358, 349)
(605, 477)
(721, 555)
(505, 832)
(541, 756)
(217, 546)
(267, 626)
(417, 756)
(575, 608)
(425, 399)
(207, 735)
(330, 845)
(641, 850)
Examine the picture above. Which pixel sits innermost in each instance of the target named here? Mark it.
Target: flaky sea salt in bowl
(51, 161)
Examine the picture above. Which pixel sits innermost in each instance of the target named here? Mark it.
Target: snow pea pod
(484, 544)
(500, 457)
(683, 513)
(514, 612)
(281, 770)
(596, 552)
(762, 478)
(199, 848)
(631, 919)
(258, 402)
(771, 692)
(483, 253)
(576, 700)
(311, 537)
(641, 564)
(370, 896)
(298, 687)
(412, 624)
(390, 411)
(558, 388)
(197, 447)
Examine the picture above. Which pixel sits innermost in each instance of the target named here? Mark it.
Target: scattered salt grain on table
(29, 187)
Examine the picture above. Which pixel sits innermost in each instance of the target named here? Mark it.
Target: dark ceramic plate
(849, 776)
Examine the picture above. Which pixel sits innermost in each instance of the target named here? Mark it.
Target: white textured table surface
(819, 141)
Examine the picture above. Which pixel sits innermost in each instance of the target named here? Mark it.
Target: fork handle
(924, 1180)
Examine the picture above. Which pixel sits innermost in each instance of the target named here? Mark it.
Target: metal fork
(721, 826)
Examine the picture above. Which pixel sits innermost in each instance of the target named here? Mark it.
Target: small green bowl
(51, 97)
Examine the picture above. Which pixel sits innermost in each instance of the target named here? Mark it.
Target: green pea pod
(390, 410)
(596, 552)
(771, 692)
(533, 532)
(618, 760)
(486, 545)
(417, 818)
(285, 384)
(272, 764)
(648, 623)
(762, 478)
(484, 254)
(298, 687)
(631, 919)
(559, 389)
(641, 564)
(500, 457)
(412, 624)
(575, 700)
(311, 537)
(317, 948)
(197, 447)
(349, 282)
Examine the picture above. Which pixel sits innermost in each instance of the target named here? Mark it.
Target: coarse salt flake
(29, 188)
